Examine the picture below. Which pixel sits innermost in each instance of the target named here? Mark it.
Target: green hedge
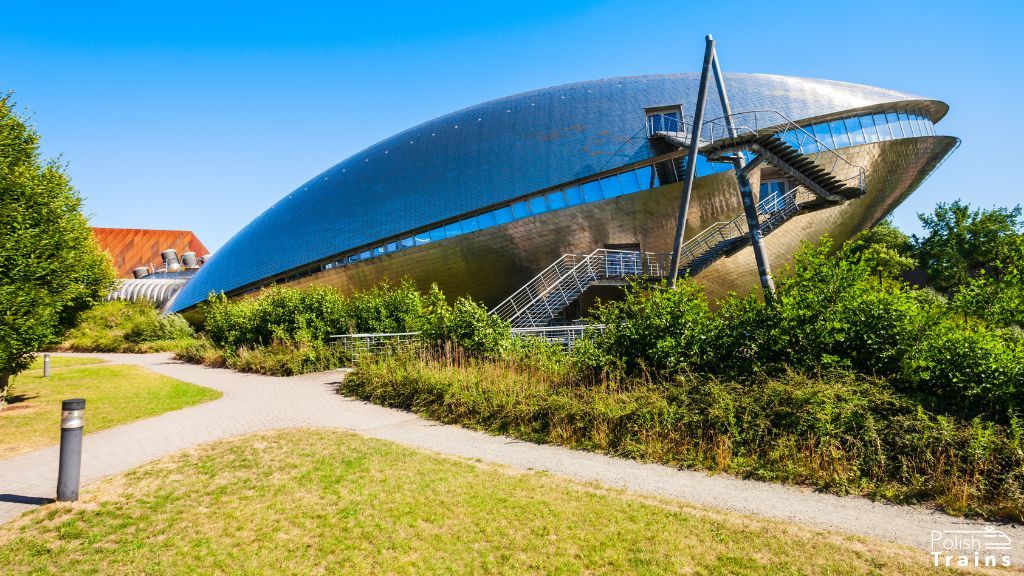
(832, 310)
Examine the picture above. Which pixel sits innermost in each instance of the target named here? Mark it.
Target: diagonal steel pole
(691, 161)
(746, 192)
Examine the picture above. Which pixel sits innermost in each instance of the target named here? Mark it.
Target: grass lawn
(329, 502)
(64, 361)
(114, 394)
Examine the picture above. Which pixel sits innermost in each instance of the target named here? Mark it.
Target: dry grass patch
(329, 502)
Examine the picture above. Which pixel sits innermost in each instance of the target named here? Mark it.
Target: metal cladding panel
(490, 264)
(487, 154)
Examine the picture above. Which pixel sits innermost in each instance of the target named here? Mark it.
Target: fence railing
(360, 344)
(570, 275)
(719, 132)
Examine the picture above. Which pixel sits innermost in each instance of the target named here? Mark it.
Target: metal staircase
(780, 142)
(825, 179)
(726, 238)
(541, 301)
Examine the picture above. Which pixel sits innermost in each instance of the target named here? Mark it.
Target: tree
(961, 242)
(883, 234)
(51, 268)
(884, 249)
(885, 262)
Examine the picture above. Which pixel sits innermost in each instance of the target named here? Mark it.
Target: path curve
(253, 403)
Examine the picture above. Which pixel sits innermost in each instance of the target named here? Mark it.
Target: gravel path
(253, 403)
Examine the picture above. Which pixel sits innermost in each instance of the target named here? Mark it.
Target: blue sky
(199, 117)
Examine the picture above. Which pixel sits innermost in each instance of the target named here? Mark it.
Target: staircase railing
(659, 123)
(537, 286)
(741, 127)
(545, 295)
(771, 213)
(569, 276)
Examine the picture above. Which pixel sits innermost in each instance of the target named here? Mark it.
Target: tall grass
(835, 430)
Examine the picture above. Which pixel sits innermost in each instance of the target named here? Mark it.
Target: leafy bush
(977, 368)
(287, 330)
(287, 359)
(385, 309)
(201, 351)
(667, 331)
(121, 326)
(310, 315)
(832, 309)
(466, 324)
(275, 315)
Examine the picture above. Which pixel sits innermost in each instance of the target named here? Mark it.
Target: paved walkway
(253, 403)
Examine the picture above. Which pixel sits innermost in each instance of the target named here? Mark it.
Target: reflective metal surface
(491, 264)
(491, 153)
(159, 291)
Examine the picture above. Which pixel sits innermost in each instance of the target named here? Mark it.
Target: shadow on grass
(16, 398)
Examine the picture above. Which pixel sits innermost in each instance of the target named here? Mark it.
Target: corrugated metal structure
(133, 247)
(483, 199)
(156, 290)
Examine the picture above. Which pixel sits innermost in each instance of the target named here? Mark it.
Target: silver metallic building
(505, 194)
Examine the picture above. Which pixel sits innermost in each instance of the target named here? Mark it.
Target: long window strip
(840, 133)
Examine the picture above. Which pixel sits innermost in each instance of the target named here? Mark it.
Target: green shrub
(287, 359)
(201, 351)
(385, 309)
(466, 324)
(121, 326)
(978, 366)
(658, 329)
(276, 315)
(309, 315)
(832, 310)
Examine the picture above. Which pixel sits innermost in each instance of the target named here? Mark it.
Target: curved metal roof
(157, 290)
(489, 153)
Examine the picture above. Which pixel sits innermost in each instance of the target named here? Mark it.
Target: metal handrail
(719, 131)
(770, 213)
(509, 305)
(764, 122)
(573, 273)
(680, 124)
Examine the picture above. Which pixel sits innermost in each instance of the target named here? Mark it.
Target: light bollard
(46, 365)
(72, 423)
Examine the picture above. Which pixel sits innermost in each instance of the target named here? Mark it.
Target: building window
(470, 225)
(556, 200)
(452, 230)
(520, 210)
(771, 194)
(538, 205)
(573, 196)
(667, 121)
(592, 191)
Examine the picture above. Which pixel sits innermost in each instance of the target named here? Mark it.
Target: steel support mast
(712, 65)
